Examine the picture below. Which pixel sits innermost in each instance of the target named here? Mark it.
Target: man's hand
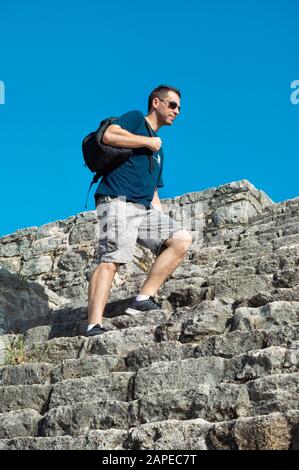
(154, 143)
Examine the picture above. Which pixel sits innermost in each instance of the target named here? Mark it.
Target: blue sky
(66, 65)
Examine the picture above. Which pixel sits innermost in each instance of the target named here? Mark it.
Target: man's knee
(181, 241)
(109, 267)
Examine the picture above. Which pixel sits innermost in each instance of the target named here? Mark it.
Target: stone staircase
(216, 368)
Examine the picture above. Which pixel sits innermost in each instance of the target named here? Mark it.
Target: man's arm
(119, 137)
(156, 203)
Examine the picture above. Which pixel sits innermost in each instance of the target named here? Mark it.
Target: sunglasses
(172, 104)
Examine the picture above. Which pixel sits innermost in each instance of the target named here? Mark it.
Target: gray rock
(56, 350)
(40, 265)
(122, 342)
(18, 397)
(86, 367)
(181, 375)
(25, 374)
(236, 213)
(115, 386)
(278, 392)
(19, 423)
(80, 418)
(269, 432)
(255, 364)
(169, 435)
(94, 440)
(269, 317)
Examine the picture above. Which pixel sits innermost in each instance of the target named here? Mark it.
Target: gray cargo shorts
(124, 223)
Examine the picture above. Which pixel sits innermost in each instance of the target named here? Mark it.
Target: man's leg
(167, 261)
(98, 291)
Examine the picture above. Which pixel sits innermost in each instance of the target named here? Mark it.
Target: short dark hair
(161, 92)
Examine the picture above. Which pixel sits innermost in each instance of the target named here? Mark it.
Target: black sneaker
(96, 331)
(139, 306)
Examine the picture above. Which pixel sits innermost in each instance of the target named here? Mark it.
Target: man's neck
(153, 121)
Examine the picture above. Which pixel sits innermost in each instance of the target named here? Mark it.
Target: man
(127, 200)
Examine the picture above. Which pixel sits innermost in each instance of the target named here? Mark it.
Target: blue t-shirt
(135, 179)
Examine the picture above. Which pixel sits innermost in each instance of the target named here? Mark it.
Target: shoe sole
(132, 311)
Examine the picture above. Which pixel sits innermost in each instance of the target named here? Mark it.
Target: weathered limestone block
(94, 440)
(236, 213)
(169, 435)
(83, 232)
(171, 404)
(80, 418)
(270, 432)
(26, 374)
(227, 401)
(115, 386)
(56, 350)
(255, 364)
(19, 423)
(121, 342)
(35, 266)
(180, 375)
(268, 317)
(18, 397)
(227, 345)
(86, 367)
(157, 352)
(24, 304)
(278, 392)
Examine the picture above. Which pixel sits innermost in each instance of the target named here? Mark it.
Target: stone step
(219, 401)
(77, 419)
(256, 232)
(263, 225)
(279, 392)
(94, 440)
(19, 423)
(206, 318)
(165, 351)
(259, 233)
(287, 336)
(115, 386)
(240, 285)
(181, 374)
(269, 317)
(26, 374)
(260, 363)
(122, 342)
(18, 397)
(87, 367)
(44, 373)
(273, 431)
(56, 350)
(60, 326)
(113, 343)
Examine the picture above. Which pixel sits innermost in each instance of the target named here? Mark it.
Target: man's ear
(155, 102)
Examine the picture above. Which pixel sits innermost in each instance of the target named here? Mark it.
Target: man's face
(168, 108)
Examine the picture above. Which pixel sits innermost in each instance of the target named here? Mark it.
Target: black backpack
(100, 158)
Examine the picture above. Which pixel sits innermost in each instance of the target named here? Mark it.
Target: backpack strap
(150, 131)
(94, 180)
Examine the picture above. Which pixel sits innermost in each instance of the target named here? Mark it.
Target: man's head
(165, 101)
